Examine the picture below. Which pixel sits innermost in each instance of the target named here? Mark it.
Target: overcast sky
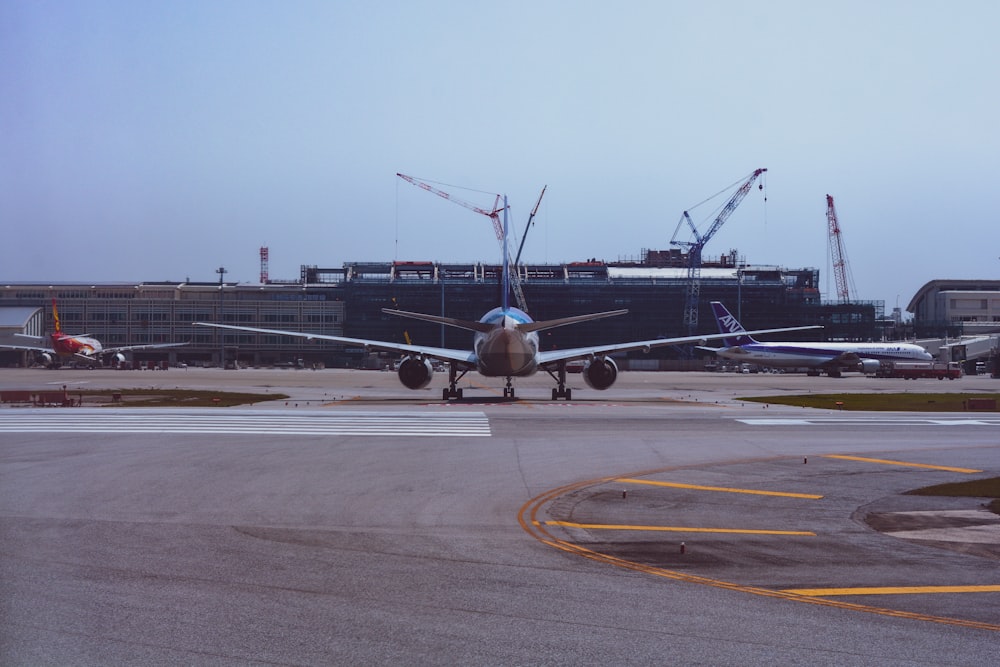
(144, 141)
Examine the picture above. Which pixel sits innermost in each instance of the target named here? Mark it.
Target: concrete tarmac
(366, 524)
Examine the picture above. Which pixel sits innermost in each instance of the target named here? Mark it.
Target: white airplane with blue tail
(831, 358)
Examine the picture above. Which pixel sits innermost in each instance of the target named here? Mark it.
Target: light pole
(739, 291)
(222, 341)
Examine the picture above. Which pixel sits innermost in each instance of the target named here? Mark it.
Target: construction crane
(695, 247)
(841, 269)
(493, 215)
(534, 212)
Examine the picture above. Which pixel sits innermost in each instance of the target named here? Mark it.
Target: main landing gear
(453, 390)
(562, 391)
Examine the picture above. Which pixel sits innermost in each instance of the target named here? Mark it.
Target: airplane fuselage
(68, 346)
(505, 351)
(785, 355)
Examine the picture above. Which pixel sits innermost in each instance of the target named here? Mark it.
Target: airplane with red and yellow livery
(60, 347)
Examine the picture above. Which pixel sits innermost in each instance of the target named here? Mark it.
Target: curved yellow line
(527, 517)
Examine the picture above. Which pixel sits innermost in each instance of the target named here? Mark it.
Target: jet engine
(116, 360)
(870, 366)
(415, 373)
(600, 372)
(47, 360)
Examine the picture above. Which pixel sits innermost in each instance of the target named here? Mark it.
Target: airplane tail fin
(728, 324)
(55, 316)
(505, 298)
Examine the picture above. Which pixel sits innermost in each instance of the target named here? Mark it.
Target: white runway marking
(873, 421)
(410, 424)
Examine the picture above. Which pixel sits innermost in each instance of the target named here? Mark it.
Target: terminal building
(348, 301)
(956, 308)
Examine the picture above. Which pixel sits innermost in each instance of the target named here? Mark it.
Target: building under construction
(348, 301)
(666, 294)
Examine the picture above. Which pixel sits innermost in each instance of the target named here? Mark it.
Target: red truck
(912, 370)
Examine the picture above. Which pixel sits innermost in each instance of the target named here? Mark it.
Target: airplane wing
(31, 348)
(131, 348)
(553, 356)
(442, 353)
(46, 349)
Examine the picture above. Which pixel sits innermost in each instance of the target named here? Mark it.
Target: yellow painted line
(891, 590)
(676, 529)
(900, 463)
(527, 517)
(723, 489)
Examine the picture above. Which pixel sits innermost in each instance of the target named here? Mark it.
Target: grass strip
(976, 488)
(169, 398)
(898, 402)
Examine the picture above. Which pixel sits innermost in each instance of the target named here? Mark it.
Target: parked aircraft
(832, 358)
(505, 344)
(60, 346)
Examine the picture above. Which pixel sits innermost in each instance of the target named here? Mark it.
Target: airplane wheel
(569, 394)
(458, 393)
(555, 394)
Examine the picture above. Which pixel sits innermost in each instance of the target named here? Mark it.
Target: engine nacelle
(870, 366)
(600, 373)
(47, 360)
(116, 360)
(415, 373)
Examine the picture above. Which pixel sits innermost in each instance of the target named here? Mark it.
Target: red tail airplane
(61, 346)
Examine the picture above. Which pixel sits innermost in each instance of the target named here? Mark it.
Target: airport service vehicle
(912, 370)
(831, 358)
(505, 344)
(60, 347)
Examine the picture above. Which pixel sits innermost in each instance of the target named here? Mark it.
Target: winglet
(729, 324)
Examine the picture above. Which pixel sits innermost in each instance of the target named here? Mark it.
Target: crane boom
(697, 245)
(534, 212)
(838, 256)
(498, 228)
(493, 215)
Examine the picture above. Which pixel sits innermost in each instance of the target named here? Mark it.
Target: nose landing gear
(508, 391)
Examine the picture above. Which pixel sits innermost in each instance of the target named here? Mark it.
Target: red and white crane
(493, 215)
(841, 269)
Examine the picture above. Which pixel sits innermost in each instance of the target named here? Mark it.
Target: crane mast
(695, 247)
(837, 254)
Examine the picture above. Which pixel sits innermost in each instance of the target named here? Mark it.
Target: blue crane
(695, 246)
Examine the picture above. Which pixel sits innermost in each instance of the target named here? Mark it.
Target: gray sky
(160, 140)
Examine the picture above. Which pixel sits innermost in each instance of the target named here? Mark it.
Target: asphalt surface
(357, 522)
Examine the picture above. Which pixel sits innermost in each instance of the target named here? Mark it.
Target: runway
(265, 536)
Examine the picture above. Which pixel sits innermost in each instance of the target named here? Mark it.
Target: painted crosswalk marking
(410, 424)
(873, 421)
